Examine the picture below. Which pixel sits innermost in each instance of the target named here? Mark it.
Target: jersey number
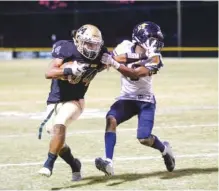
(86, 78)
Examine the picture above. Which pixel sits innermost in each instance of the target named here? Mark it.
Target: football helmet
(146, 33)
(88, 40)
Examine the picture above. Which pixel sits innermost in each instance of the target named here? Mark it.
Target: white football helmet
(88, 40)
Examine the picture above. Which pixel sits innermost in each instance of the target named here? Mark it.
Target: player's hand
(151, 45)
(78, 68)
(108, 60)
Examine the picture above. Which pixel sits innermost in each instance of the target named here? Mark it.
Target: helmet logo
(142, 26)
(81, 30)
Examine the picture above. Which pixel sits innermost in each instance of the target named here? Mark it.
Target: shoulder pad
(123, 47)
(63, 49)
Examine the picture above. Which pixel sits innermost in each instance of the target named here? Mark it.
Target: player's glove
(151, 45)
(108, 60)
(76, 69)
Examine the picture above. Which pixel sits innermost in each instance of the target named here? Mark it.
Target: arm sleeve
(133, 57)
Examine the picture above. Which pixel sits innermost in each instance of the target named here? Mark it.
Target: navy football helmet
(145, 33)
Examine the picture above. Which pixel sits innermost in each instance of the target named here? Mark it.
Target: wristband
(67, 71)
(116, 65)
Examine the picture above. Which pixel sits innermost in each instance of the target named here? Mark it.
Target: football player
(136, 97)
(69, 85)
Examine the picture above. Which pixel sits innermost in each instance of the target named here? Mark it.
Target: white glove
(151, 47)
(108, 60)
(77, 68)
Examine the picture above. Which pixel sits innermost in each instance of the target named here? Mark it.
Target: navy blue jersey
(63, 90)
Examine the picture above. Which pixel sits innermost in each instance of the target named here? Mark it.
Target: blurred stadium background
(186, 90)
(40, 23)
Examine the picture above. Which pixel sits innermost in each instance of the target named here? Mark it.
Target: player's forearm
(54, 73)
(128, 72)
(54, 70)
(134, 72)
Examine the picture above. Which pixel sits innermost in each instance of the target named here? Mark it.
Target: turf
(187, 116)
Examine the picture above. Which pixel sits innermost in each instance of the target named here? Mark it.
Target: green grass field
(186, 92)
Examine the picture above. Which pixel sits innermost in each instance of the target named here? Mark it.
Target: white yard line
(78, 132)
(121, 159)
(215, 144)
(91, 113)
(88, 100)
(134, 129)
(44, 101)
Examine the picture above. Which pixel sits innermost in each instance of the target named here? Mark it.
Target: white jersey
(137, 89)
